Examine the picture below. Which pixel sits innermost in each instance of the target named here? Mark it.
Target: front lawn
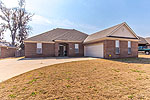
(100, 79)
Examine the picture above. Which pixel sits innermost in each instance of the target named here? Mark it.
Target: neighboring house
(119, 41)
(6, 50)
(148, 40)
(144, 43)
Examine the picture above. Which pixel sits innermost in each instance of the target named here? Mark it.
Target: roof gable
(121, 31)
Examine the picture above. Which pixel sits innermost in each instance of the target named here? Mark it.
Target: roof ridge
(72, 30)
(80, 32)
(69, 30)
(65, 29)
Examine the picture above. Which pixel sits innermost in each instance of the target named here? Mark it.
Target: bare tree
(16, 20)
(23, 23)
(2, 30)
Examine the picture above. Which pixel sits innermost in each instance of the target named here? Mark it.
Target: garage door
(94, 50)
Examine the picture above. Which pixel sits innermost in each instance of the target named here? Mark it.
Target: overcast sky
(88, 16)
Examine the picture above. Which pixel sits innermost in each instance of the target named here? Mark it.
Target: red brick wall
(48, 50)
(109, 49)
(72, 50)
(7, 52)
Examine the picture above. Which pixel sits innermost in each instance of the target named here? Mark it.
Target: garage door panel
(95, 50)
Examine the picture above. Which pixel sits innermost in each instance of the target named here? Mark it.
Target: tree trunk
(13, 40)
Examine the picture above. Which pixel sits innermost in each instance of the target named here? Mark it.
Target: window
(39, 48)
(117, 47)
(76, 48)
(129, 47)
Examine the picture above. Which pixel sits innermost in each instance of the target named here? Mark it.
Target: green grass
(130, 97)
(68, 86)
(30, 82)
(33, 94)
(12, 96)
(138, 71)
(116, 70)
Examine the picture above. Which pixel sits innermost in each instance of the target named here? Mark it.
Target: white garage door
(94, 50)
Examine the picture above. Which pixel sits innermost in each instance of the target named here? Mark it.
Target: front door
(61, 50)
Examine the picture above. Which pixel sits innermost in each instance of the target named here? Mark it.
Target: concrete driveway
(16, 66)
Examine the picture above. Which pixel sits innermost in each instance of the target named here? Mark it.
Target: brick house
(6, 50)
(118, 41)
(144, 42)
(57, 42)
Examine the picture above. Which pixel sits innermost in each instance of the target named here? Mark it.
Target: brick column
(71, 49)
(56, 49)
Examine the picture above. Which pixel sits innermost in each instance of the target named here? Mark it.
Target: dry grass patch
(100, 79)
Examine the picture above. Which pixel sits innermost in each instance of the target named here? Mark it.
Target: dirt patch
(98, 79)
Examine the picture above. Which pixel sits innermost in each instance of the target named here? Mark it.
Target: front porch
(67, 49)
(63, 50)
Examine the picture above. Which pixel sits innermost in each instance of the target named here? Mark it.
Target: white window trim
(129, 47)
(117, 46)
(76, 47)
(39, 46)
(129, 44)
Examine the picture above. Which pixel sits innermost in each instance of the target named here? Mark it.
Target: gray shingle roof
(142, 40)
(60, 34)
(105, 33)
